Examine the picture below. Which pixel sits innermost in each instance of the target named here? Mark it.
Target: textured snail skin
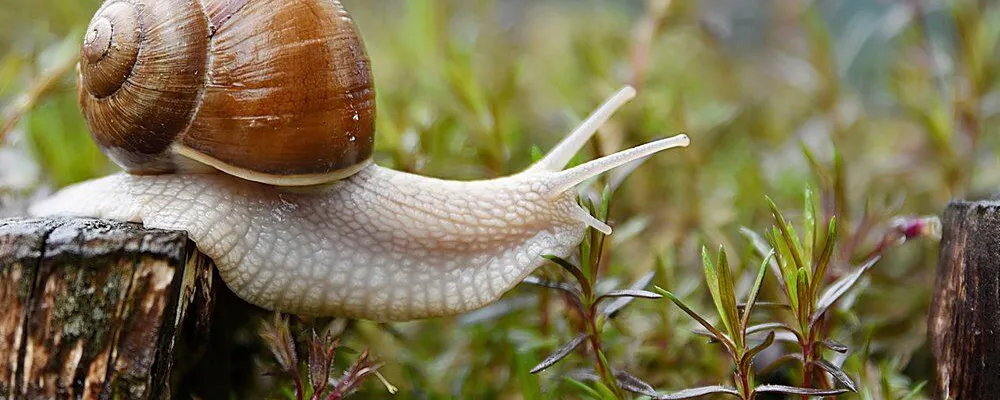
(382, 244)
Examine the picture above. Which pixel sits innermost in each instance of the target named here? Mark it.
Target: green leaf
(915, 392)
(824, 259)
(527, 383)
(536, 153)
(803, 288)
(605, 203)
(788, 272)
(754, 292)
(809, 217)
(712, 280)
(750, 354)
(728, 294)
(721, 337)
(788, 234)
(763, 249)
(583, 387)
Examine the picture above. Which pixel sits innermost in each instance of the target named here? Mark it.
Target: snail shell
(273, 91)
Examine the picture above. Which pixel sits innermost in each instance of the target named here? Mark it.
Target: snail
(250, 125)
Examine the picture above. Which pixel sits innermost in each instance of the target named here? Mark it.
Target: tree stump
(98, 309)
(964, 322)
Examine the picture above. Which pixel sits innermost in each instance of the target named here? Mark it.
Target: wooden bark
(964, 322)
(98, 309)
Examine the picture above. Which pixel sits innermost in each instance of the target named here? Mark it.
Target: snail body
(376, 243)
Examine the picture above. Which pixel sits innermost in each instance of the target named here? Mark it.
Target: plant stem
(603, 369)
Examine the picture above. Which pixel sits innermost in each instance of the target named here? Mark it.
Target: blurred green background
(895, 101)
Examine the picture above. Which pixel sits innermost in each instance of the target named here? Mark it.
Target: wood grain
(964, 323)
(93, 308)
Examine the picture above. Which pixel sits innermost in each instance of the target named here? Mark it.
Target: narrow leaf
(754, 292)
(770, 305)
(750, 354)
(559, 354)
(788, 272)
(633, 384)
(824, 258)
(915, 392)
(771, 326)
(763, 249)
(574, 270)
(798, 390)
(718, 334)
(727, 292)
(809, 216)
(572, 291)
(642, 294)
(589, 391)
(837, 374)
(834, 345)
(787, 234)
(617, 304)
(712, 280)
(804, 300)
(698, 392)
(839, 288)
(563, 286)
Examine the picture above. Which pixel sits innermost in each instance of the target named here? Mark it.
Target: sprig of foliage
(595, 309)
(734, 330)
(319, 363)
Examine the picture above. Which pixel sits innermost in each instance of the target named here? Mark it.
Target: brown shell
(276, 91)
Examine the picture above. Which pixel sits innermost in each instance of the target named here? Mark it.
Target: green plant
(319, 363)
(734, 331)
(595, 310)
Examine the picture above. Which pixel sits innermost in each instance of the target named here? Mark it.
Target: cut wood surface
(92, 308)
(964, 322)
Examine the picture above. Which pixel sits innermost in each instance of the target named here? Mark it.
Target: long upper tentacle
(560, 155)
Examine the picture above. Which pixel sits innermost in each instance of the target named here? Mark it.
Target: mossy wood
(964, 322)
(92, 308)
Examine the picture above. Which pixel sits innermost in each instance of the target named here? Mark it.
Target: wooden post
(90, 308)
(964, 322)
